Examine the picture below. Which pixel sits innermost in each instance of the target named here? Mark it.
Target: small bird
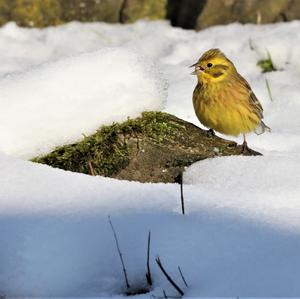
(223, 100)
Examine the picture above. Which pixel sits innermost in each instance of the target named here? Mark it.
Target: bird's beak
(198, 68)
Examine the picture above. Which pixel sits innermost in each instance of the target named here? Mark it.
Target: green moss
(266, 64)
(106, 152)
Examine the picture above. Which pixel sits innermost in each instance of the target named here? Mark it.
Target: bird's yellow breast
(225, 110)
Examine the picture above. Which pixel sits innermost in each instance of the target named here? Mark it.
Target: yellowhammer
(223, 99)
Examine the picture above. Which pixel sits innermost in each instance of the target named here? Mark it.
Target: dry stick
(119, 251)
(165, 295)
(148, 274)
(181, 196)
(91, 168)
(178, 289)
(179, 181)
(182, 277)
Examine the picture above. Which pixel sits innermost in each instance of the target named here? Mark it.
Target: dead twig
(179, 180)
(165, 294)
(168, 277)
(119, 252)
(148, 273)
(182, 277)
(91, 168)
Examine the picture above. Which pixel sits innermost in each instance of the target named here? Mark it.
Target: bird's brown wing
(257, 107)
(253, 100)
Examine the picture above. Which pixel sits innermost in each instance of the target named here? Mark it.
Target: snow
(240, 236)
(257, 193)
(58, 102)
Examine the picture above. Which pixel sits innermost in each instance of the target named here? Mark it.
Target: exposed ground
(153, 148)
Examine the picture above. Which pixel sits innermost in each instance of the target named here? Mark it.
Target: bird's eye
(209, 65)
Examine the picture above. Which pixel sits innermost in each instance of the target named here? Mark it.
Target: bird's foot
(247, 151)
(210, 133)
(245, 148)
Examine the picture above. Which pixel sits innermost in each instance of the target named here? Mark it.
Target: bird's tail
(262, 127)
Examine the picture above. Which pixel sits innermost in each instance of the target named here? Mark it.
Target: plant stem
(178, 289)
(119, 252)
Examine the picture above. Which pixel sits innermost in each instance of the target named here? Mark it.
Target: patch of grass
(267, 65)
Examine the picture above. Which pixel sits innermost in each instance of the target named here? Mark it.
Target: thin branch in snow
(165, 296)
(182, 277)
(179, 180)
(172, 282)
(181, 195)
(119, 252)
(148, 273)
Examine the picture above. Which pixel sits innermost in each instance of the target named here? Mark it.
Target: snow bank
(34, 189)
(56, 234)
(56, 240)
(58, 102)
(265, 189)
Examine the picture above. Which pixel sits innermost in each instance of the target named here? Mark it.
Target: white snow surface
(241, 232)
(57, 102)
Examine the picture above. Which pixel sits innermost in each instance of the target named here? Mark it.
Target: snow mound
(57, 102)
(29, 188)
(240, 234)
(250, 187)
(57, 240)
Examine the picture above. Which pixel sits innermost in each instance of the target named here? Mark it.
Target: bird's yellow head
(212, 67)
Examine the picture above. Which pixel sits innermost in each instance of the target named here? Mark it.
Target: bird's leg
(248, 151)
(210, 133)
(245, 148)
